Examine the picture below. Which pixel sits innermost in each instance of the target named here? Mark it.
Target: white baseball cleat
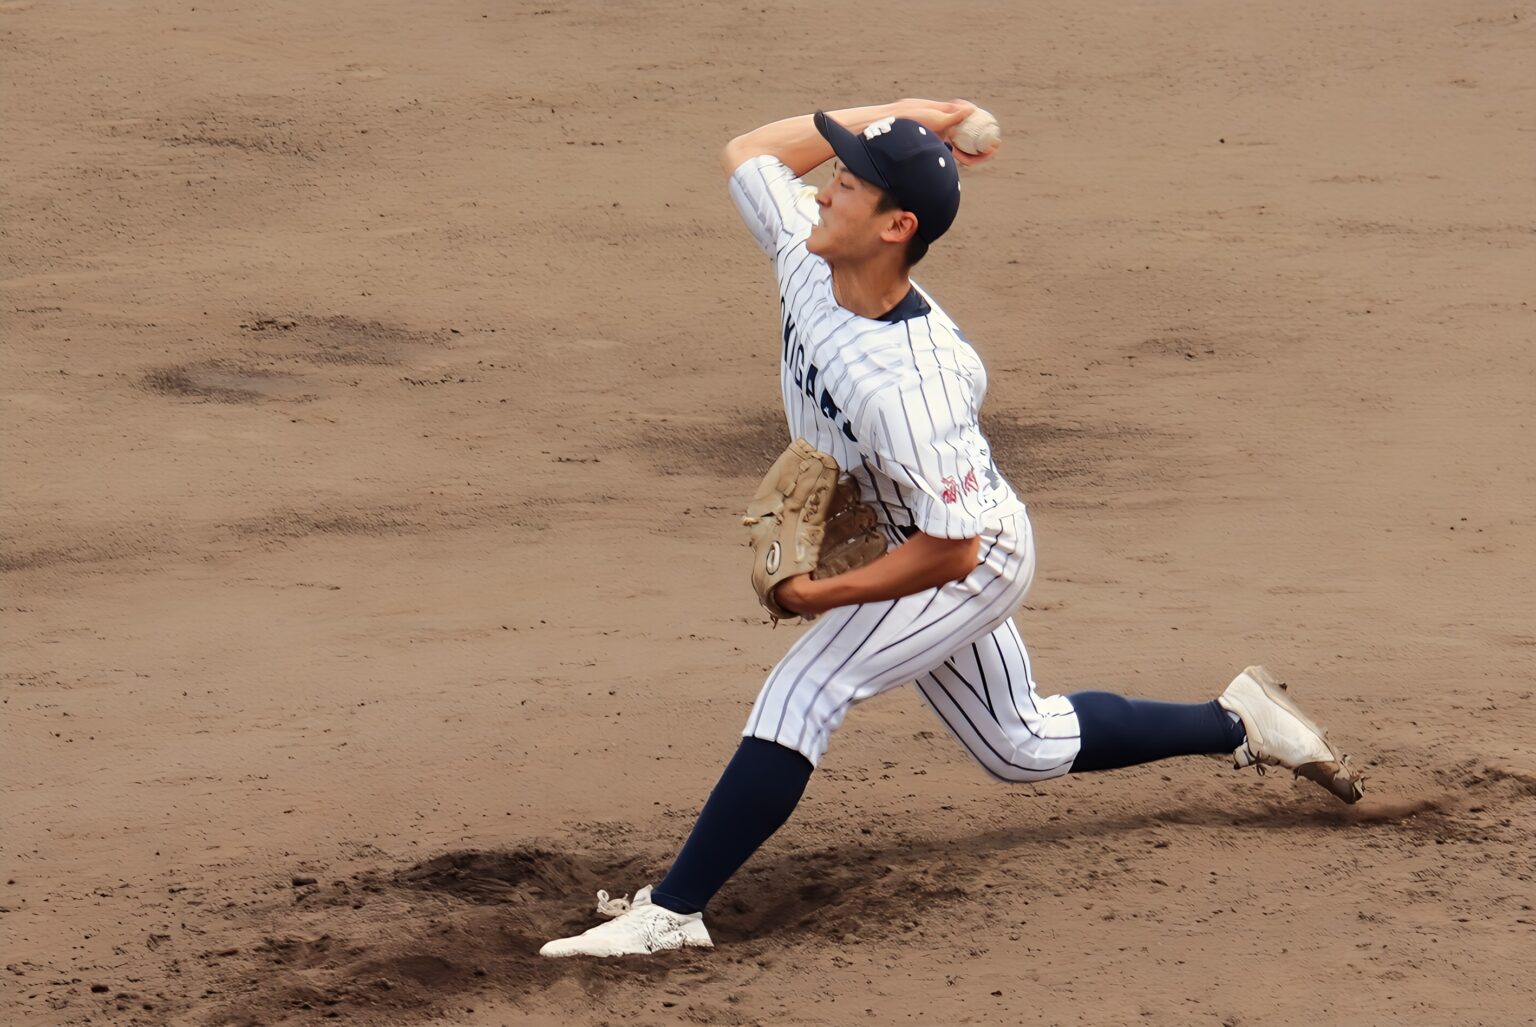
(1280, 735)
(638, 927)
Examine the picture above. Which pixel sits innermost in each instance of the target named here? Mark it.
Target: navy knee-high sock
(1121, 732)
(756, 794)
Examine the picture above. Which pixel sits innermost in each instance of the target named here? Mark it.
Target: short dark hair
(917, 248)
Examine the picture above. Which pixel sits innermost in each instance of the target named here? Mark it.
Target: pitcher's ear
(901, 227)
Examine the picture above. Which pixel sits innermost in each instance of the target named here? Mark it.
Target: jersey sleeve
(922, 436)
(778, 208)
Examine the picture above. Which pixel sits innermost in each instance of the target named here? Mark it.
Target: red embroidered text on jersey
(951, 491)
(971, 484)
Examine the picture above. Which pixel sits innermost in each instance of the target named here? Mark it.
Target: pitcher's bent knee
(1023, 766)
(806, 731)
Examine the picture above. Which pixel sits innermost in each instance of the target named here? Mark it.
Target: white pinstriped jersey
(895, 402)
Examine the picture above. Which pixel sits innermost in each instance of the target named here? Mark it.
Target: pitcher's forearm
(923, 562)
(795, 141)
(797, 144)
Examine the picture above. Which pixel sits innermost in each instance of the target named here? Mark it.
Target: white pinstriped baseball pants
(957, 642)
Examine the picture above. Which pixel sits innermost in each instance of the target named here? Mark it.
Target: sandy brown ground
(381, 381)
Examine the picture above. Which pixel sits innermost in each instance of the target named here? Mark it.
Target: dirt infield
(381, 382)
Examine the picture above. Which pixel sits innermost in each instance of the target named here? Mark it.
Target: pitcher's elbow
(732, 156)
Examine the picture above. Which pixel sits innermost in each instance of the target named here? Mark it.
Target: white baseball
(978, 133)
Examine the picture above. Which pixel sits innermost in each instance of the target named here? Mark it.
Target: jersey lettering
(806, 374)
(828, 407)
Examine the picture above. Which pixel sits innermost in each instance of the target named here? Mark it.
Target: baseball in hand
(978, 133)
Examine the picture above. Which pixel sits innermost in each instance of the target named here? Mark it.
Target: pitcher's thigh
(985, 694)
(854, 653)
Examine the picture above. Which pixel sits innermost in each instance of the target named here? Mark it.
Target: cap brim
(850, 150)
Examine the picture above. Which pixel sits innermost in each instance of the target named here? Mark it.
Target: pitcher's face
(849, 227)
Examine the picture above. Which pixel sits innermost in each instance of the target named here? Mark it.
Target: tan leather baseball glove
(806, 518)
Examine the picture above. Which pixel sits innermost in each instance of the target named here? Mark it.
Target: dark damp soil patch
(296, 524)
(336, 339)
(108, 545)
(46, 556)
(232, 130)
(288, 524)
(223, 382)
(739, 445)
(1032, 454)
(494, 877)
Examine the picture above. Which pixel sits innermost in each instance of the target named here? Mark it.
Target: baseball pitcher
(889, 526)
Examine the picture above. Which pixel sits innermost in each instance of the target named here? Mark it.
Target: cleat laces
(612, 907)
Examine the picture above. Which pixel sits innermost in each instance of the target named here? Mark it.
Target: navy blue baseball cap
(906, 160)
